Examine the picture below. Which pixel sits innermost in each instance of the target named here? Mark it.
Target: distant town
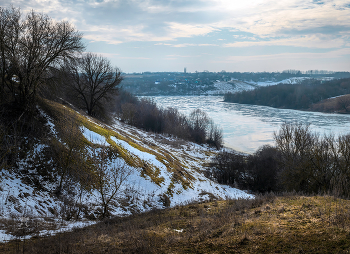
(215, 83)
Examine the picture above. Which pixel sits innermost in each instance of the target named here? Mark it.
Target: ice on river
(247, 127)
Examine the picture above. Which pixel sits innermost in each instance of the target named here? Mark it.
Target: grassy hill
(267, 224)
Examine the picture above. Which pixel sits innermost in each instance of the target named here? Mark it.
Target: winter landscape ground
(163, 172)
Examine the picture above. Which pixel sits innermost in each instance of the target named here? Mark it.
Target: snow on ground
(222, 87)
(63, 226)
(48, 119)
(193, 156)
(93, 137)
(138, 194)
(235, 85)
(5, 237)
(142, 155)
(19, 199)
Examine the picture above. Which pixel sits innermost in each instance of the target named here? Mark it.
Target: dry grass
(290, 224)
(65, 115)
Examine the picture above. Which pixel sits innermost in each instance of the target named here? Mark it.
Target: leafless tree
(9, 33)
(110, 177)
(215, 136)
(199, 121)
(31, 48)
(92, 80)
(68, 154)
(295, 143)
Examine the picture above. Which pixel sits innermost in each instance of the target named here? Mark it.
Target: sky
(212, 35)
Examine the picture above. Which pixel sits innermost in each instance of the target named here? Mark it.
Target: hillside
(338, 104)
(160, 171)
(267, 224)
(298, 96)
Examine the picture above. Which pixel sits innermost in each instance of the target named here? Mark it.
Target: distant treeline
(299, 96)
(145, 114)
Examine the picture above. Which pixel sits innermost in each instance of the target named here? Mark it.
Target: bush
(311, 163)
(257, 172)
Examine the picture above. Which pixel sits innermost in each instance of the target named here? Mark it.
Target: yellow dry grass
(63, 115)
(287, 224)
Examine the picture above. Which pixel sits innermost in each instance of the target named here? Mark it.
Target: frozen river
(247, 127)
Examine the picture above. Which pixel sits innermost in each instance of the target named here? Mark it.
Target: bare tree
(110, 177)
(199, 122)
(295, 143)
(92, 80)
(215, 136)
(68, 153)
(9, 34)
(30, 48)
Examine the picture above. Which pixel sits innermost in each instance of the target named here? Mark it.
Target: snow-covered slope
(235, 85)
(162, 171)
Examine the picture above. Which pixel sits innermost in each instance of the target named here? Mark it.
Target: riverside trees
(301, 161)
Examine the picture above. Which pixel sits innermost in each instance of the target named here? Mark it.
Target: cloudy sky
(213, 35)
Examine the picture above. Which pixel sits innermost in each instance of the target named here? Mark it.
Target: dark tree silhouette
(30, 49)
(92, 80)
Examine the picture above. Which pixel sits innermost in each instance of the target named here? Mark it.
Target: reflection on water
(247, 127)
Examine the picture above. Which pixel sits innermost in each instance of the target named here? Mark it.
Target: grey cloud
(126, 13)
(320, 2)
(326, 30)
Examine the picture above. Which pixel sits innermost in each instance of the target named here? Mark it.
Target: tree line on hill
(145, 114)
(43, 58)
(299, 96)
(301, 161)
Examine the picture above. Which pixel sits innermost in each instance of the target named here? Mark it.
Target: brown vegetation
(338, 105)
(302, 160)
(145, 114)
(267, 224)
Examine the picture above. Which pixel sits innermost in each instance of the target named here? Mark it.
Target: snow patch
(93, 137)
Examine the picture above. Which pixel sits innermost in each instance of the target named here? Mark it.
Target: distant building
(185, 70)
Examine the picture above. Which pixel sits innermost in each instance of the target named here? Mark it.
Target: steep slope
(160, 171)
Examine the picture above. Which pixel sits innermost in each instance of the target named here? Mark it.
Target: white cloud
(177, 30)
(176, 56)
(310, 41)
(115, 21)
(213, 29)
(193, 45)
(285, 56)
